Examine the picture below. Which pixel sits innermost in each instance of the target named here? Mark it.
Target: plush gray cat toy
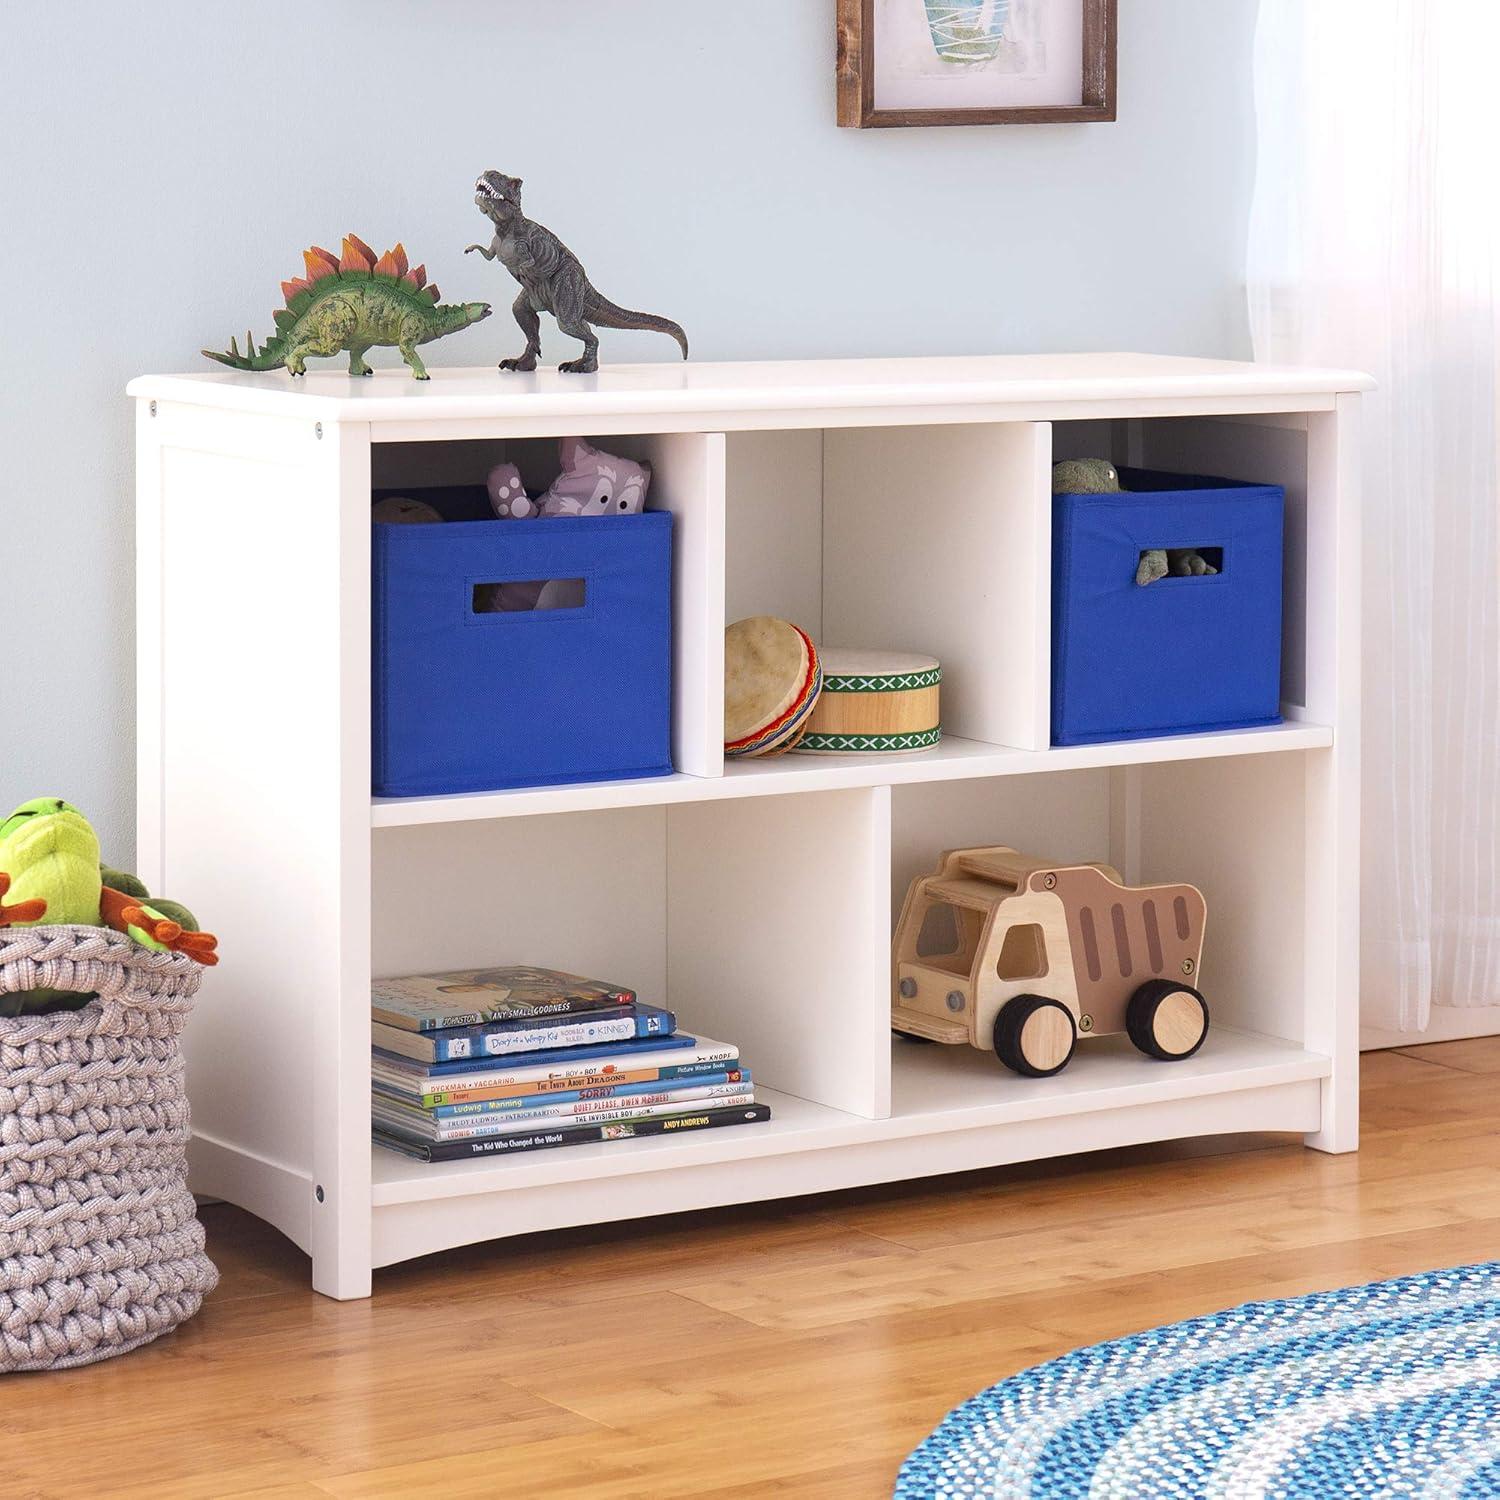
(552, 280)
(592, 483)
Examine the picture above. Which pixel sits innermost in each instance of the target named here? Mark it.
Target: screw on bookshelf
(319, 1191)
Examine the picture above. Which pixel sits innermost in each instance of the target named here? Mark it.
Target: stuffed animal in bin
(50, 873)
(1085, 476)
(402, 510)
(592, 483)
(1097, 476)
(595, 483)
(508, 497)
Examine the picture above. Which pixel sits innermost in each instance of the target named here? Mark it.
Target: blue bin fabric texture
(468, 700)
(1181, 654)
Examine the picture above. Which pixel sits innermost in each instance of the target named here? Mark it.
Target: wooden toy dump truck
(1001, 950)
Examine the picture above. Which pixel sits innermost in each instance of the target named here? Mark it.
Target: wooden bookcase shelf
(1104, 1098)
(901, 503)
(954, 759)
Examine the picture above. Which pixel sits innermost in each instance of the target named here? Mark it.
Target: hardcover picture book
(406, 1069)
(475, 997)
(581, 1135)
(495, 1101)
(525, 1034)
(651, 1059)
(413, 1125)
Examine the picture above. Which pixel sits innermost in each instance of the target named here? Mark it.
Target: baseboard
(1447, 1023)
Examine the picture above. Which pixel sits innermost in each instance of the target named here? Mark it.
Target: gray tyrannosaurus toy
(552, 280)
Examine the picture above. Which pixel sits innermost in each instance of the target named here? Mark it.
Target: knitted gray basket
(100, 1245)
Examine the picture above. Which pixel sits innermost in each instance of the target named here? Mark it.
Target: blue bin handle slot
(522, 598)
(1214, 555)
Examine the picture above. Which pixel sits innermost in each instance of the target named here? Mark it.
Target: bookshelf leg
(1333, 946)
(342, 1277)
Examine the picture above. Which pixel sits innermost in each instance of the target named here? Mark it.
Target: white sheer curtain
(1373, 244)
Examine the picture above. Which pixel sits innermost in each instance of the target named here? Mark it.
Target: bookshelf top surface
(1029, 381)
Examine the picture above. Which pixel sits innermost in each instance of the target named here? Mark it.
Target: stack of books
(485, 1062)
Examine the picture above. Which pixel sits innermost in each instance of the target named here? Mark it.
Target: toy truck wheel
(1167, 1020)
(1035, 1036)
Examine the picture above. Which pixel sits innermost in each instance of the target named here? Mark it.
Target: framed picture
(975, 62)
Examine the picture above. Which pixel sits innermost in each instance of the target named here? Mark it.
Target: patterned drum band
(874, 703)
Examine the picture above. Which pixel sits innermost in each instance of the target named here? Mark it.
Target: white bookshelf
(902, 503)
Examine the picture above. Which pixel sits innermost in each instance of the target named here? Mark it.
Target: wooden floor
(796, 1351)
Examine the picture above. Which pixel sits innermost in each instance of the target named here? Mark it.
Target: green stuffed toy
(1085, 476)
(1097, 476)
(50, 872)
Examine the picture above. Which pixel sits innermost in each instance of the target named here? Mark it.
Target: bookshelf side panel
(778, 938)
(687, 478)
(255, 680)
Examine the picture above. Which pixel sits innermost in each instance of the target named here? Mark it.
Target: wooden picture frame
(856, 77)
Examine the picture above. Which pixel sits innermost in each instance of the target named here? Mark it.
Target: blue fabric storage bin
(1181, 654)
(467, 700)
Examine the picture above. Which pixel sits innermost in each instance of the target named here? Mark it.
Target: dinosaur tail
(268, 357)
(601, 311)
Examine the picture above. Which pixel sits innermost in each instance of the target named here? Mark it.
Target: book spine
(597, 1063)
(482, 1041)
(416, 1128)
(642, 1052)
(621, 1107)
(541, 1140)
(516, 1010)
(565, 1083)
(557, 1098)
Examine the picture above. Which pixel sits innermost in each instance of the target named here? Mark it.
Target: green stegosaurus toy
(354, 302)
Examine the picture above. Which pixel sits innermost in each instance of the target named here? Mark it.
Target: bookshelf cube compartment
(778, 947)
(915, 539)
(687, 481)
(1234, 826)
(1298, 451)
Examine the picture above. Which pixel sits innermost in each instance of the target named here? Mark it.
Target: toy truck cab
(1005, 951)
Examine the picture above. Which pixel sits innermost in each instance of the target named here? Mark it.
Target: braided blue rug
(1390, 1389)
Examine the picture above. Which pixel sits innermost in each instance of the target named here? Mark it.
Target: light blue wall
(162, 165)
